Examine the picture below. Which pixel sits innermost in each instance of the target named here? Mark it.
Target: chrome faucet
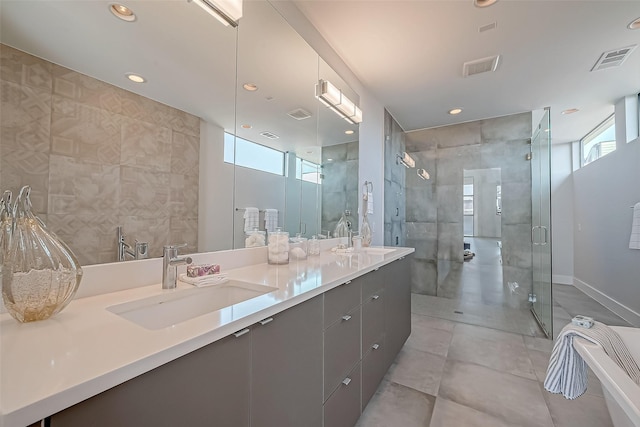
(141, 248)
(170, 263)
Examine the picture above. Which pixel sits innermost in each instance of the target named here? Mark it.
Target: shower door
(541, 224)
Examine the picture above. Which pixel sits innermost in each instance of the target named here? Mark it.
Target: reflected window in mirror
(308, 171)
(251, 155)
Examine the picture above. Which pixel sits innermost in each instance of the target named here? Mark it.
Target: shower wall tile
(423, 237)
(146, 146)
(450, 241)
(23, 167)
(351, 181)
(516, 203)
(77, 187)
(424, 277)
(85, 132)
(516, 245)
(26, 117)
(97, 156)
(506, 128)
(421, 205)
(23, 69)
(92, 237)
(86, 90)
(353, 150)
(185, 153)
(336, 152)
(335, 176)
(449, 202)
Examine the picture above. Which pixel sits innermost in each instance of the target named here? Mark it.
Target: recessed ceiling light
(250, 87)
(349, 132)
(123, 12)
(570, 111)
(634, 25)
(455, 111)
(136, 78)
(483, 3)
(246, 126)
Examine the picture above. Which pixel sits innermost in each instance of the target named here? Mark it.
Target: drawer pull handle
(376, 269)
(346, 317)
(401, 257)
(375, 346)
(347, 282)
(346, 381)
(241, 333)
(265, 321)
(375, 297)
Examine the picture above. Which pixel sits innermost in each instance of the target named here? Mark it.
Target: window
(307, 171)
(251, 155)
(467, 206)
(599, 142)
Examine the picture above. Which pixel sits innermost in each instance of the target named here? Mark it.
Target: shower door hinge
(532, 298)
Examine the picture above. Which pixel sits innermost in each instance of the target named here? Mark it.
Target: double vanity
(303, 344)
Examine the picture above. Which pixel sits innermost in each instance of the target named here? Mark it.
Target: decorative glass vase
(365, 231)
(6, 224)
(40, 273)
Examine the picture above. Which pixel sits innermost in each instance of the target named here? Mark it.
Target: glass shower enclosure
(541, 294)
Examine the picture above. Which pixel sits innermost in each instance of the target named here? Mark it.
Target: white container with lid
(298, 248)
(278, 247)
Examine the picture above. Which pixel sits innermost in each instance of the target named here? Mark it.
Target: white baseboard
(620, 309)
(561, 279)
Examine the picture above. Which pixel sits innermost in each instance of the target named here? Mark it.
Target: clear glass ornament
(365, 231)
(40, 273)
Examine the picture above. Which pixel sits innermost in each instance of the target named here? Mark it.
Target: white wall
(215, 193)
(562, 213)
(604, 266)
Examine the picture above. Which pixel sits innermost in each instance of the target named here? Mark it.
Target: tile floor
(476, 359)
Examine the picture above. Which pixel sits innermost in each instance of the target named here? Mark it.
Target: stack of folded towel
(251, 219)
(270, 219)
(567, 372)
(201, 281)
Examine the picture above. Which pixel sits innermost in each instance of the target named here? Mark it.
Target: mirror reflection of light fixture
(406, 160)
(423, 174)
(226, 11)
(337, 101)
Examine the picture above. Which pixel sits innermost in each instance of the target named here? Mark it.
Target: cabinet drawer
(341, 350)
(339, 301)
(372, 319)
(372, 283)
(343, 407)
(373, 369)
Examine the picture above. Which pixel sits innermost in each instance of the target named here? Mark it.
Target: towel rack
(244, 209)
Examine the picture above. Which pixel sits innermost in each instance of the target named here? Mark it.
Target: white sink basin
(172, 307)
(377, 251)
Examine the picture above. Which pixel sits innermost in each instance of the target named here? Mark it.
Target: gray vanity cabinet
(343, 409)
(209, 386)
(286, 358)
(397, 278)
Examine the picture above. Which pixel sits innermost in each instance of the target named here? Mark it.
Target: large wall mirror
(163, 158)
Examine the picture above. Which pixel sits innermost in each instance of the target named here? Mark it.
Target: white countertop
(50, 365)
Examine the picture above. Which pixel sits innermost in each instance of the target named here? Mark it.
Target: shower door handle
(533, 239)
(546, 231)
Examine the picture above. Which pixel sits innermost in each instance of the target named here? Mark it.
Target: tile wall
(97, 156)
(394, 184)
(340, 184)
(434, 208)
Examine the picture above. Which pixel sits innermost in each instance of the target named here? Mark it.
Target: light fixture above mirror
(338, 102)
(226, 11)
(406, 160)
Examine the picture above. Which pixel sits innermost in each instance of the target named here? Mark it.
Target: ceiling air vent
(480, 66)
(613, 58)
(299, 114)
(269, 135)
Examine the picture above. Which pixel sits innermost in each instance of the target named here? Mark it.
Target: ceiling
(410, 55)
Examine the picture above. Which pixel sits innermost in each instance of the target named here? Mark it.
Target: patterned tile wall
(97, 156)
(340, 185)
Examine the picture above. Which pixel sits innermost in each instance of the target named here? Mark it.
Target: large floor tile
(538, 343)
(433, 322)
(425, 338)
(417, 369)
(450, 414)
(507, 397)
(586, 411)
(395, 405)
(494, 349)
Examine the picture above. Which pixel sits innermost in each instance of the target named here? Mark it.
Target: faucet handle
(175, 246)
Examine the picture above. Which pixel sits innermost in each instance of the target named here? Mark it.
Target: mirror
(101, 151)
(339, 141)
(482, 203)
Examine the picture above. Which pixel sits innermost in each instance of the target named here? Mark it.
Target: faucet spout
(170, 262)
